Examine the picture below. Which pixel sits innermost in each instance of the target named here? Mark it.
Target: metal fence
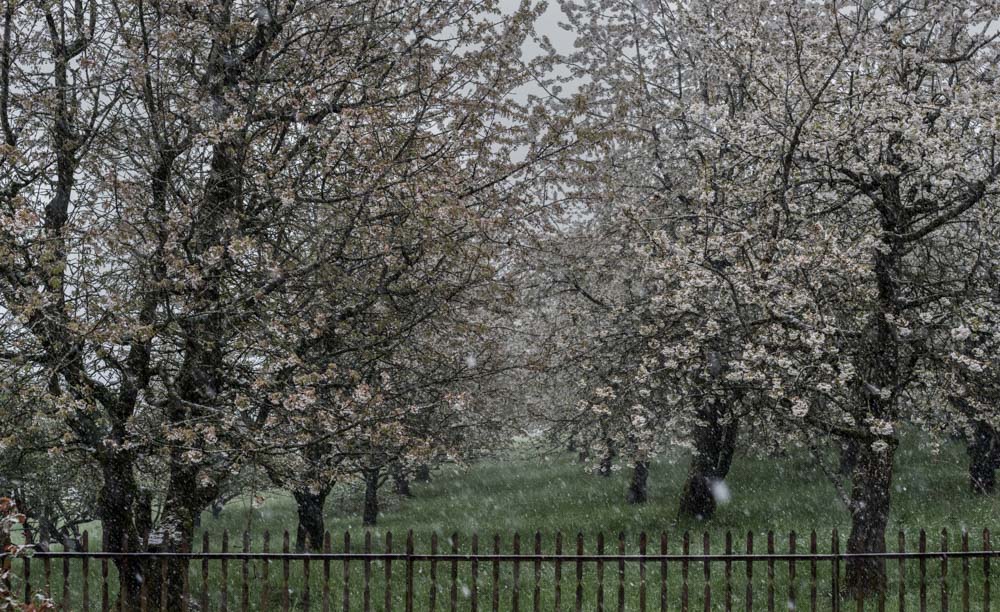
(640, 573)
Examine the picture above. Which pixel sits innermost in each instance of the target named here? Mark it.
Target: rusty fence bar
(438, 577)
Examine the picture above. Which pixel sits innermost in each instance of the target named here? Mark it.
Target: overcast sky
(548, 24)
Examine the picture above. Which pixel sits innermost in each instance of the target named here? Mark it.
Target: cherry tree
(189, 193)
(824, 235)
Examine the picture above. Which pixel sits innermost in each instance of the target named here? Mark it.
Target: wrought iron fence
(455, 573)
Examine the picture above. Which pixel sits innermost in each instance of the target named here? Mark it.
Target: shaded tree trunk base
(370, 512)
(638, 491)
(401, 482)
(697, 500)
(311, 528)
(715, 446)
(984, 459)
(870, 497)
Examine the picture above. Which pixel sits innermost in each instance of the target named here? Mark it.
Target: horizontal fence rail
(642, 573)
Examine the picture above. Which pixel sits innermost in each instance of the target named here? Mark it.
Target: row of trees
(298, 242)
(267, 236)
(788, 227)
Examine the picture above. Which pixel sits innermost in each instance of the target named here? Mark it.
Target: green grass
(527, 493)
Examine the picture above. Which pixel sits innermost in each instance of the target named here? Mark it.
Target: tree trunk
(984, 458)
(370, 515)
(311, 528)
(186, 498)
(607, 461)
(869, 517)
(715, 444)
(423, 473)
(637, 489)
(401, 481)
(116, 508)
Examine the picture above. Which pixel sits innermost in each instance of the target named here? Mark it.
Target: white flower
(880, 446)
(961, 332)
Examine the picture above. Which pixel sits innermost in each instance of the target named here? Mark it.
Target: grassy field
(529, 493)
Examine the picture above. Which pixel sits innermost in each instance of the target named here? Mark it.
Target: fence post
(64, 604)
(285, 571)
(708, 574)
(307, 574)
(409, 571)
(965, 571)
(922, 564)
(685, 550)
(770, 571)
(728, 572)
(496, 573)
(558, 571)
(902, 572)
(85, 546)
(579, 571)
(516, 592)
(454, 573)
(347, 571)
(986, 569)
(600, 572)
(367, 595)
(105, 604)
(388, 571)
(475, 572)
(205, 548)
(642, 571)
(835, 579)
(536, 594)
(621, 571)
(663, 571)
(944, 570)
(327, 549)
(27, 579)
(224, 587)
(813, 549)
(792, 591)
(749, 589)
(265, 582)
(245, 574)
(433, 589)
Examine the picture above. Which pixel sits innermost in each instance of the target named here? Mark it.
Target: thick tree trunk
(311, 528)
(117, 506)
(370, 514)
(869, 517)
(637, 489)
(984, 458)
(186, 498)
(715, 444)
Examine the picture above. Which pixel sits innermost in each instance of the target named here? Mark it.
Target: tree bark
(984, 458)
(637, 489)
(186, 498)
(607, 461)
(869, 517)
(311, 528)
(370, 514)
(423, 473)
(117, 507)
(715, 444)
(401, 481)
